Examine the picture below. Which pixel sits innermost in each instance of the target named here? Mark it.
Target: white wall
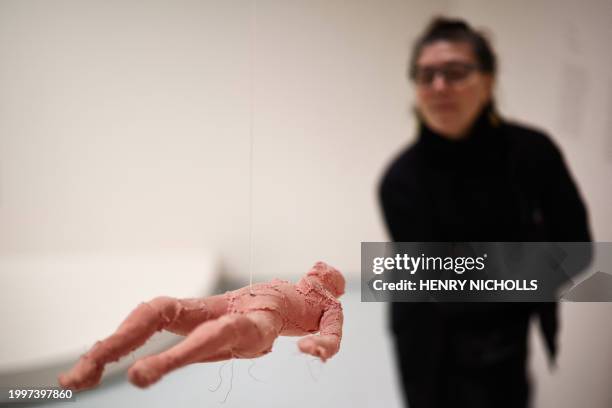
(125, 126)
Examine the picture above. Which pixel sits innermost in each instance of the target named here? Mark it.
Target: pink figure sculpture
(239, 324)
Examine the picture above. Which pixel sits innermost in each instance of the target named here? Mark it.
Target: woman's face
(450, 90)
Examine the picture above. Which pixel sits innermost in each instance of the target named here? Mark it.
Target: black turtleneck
(467, 185)
(501, 182)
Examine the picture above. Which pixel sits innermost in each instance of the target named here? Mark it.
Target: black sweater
(503, 182)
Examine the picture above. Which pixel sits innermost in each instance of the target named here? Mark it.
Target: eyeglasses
(453, 73)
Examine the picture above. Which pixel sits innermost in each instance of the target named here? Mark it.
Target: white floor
(361, 375)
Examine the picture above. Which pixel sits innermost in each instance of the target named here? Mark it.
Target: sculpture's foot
(85, 374)
(146, 371)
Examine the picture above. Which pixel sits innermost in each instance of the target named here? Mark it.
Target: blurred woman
(472, 176)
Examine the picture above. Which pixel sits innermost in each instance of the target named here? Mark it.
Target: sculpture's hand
(322, 346)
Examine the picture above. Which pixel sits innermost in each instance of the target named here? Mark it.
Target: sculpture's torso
(299, 305)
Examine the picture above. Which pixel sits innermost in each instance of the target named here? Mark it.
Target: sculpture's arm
(327, 343)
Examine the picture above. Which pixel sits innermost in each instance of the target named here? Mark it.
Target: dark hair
(455, 30)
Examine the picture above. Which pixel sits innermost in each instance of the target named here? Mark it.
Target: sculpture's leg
(179, 316)
(235, 335)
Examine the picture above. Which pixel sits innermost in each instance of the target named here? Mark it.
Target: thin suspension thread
(251, 134)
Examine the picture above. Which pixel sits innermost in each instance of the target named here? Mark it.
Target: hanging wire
(251, 133)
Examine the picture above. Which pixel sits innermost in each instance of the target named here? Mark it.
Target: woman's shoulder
(527, 137)
(404, 165)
